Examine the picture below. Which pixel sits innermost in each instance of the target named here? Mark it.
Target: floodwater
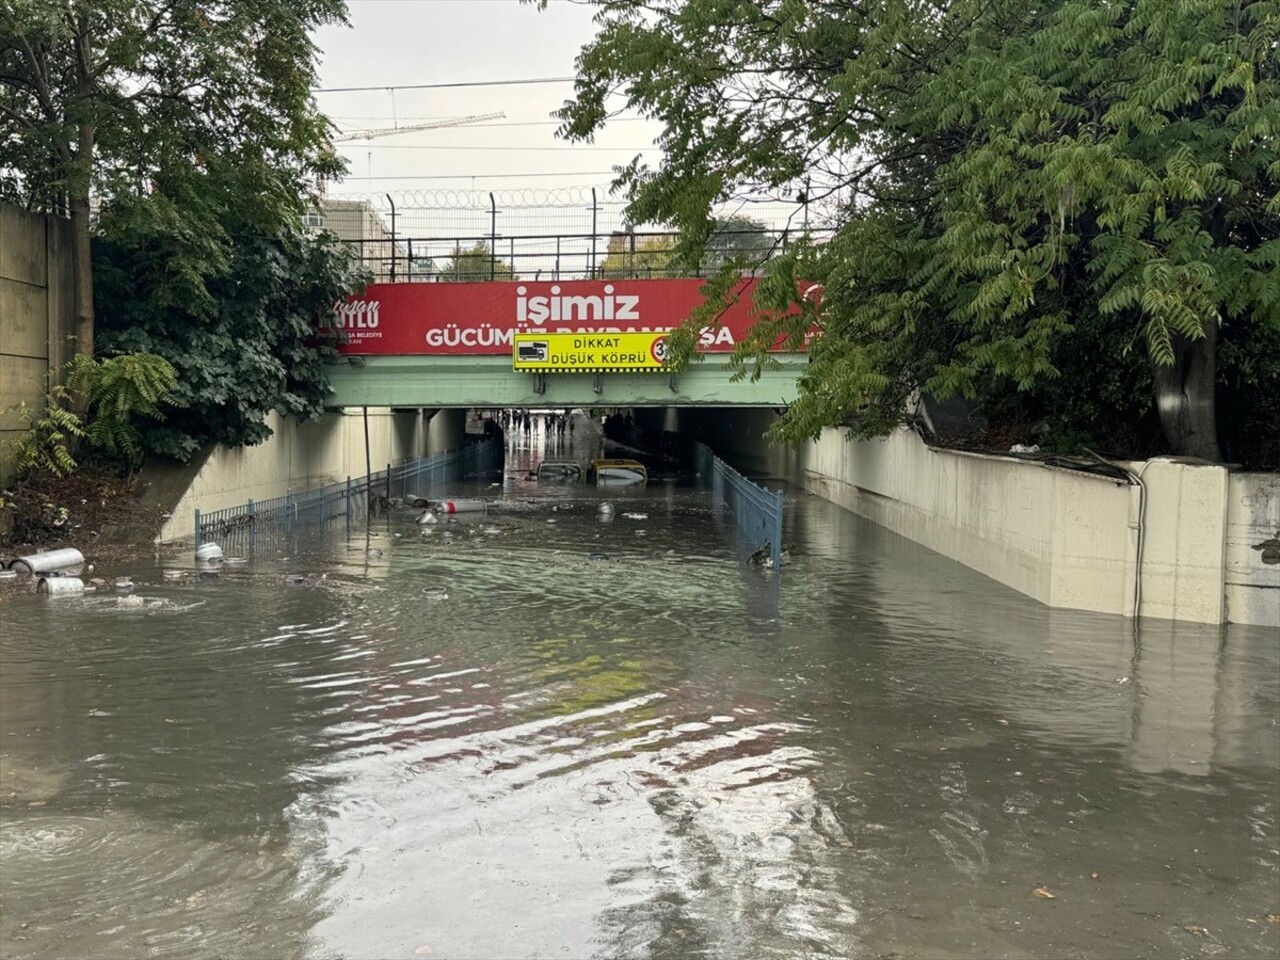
(483, 742)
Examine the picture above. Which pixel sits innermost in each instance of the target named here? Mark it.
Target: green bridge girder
(417, 381)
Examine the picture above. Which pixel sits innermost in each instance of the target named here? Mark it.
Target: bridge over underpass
(450, 345)
(442, 381)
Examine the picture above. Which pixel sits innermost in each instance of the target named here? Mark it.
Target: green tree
(474, 264)
(734, 240)
(121, 394)
(738, 241)
(1008, 174)
(108, 98)
(629, 255)
(238, 309)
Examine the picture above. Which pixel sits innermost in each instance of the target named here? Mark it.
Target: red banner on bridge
(480, 319)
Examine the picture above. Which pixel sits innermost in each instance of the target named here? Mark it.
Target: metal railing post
(252, 524)
(197, 528)
(393, 237)
(595, 209)
(348, 505)
(493, 237)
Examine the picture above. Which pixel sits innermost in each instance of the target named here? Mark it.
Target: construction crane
(414, 127)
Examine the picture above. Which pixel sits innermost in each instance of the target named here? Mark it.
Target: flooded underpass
(535, 733)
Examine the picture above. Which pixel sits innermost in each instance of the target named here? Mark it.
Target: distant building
(359, 224)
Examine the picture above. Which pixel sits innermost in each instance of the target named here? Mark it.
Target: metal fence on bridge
(756, 511)
(566, 234)
(248, 526)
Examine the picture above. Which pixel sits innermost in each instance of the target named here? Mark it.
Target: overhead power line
(436, 146)
(380, 118)
(446, 86)
(488, 176)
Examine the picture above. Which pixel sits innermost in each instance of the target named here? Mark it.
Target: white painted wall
(302, 456)
(1057, 535)
(1252, 564)
(1067, 538)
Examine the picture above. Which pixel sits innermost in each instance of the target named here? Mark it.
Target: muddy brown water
(491, 744)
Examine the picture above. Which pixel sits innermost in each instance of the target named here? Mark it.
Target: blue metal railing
(756, 511)
(244, 527)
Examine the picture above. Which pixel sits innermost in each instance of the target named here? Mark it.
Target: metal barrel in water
(49, 560)
(415, 500)
(60, 586)
(459, 506)
(208, 552)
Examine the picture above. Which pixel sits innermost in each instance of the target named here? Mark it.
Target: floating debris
(48, 560)
(459, 506)
(60, 586)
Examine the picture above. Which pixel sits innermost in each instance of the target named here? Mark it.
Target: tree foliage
(121, 394)
(473, 265)
(1010, 183)
(100, 98)
(236, 309)
(736, 240)
(630, 255)
(193, 126)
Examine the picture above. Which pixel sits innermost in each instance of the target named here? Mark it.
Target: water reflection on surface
(482, 742)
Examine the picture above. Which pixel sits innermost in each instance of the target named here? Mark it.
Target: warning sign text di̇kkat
(589, 353)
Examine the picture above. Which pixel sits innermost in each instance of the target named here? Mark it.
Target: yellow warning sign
(589, 352)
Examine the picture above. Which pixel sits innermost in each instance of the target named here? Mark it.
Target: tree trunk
(81, 262)
(1185, 396)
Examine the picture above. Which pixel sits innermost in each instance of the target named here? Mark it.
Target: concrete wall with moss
(36, 315)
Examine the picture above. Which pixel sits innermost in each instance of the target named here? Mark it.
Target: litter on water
(60, 586)
(48, 560)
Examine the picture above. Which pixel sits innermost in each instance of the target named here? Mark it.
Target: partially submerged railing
(245, 527)
(756, 511)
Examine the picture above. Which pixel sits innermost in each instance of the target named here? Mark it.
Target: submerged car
(617, 473)
(559, 471)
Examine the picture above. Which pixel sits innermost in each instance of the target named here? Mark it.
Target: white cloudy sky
(394, 42)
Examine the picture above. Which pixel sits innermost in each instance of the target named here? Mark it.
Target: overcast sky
(391, 42)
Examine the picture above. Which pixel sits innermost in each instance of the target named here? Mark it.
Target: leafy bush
(228, 292)
(117, 394)
(45, 445)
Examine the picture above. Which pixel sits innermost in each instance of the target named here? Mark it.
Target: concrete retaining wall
(37, 315)
(301, 456)
(1067, 538)
(1252, 548)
